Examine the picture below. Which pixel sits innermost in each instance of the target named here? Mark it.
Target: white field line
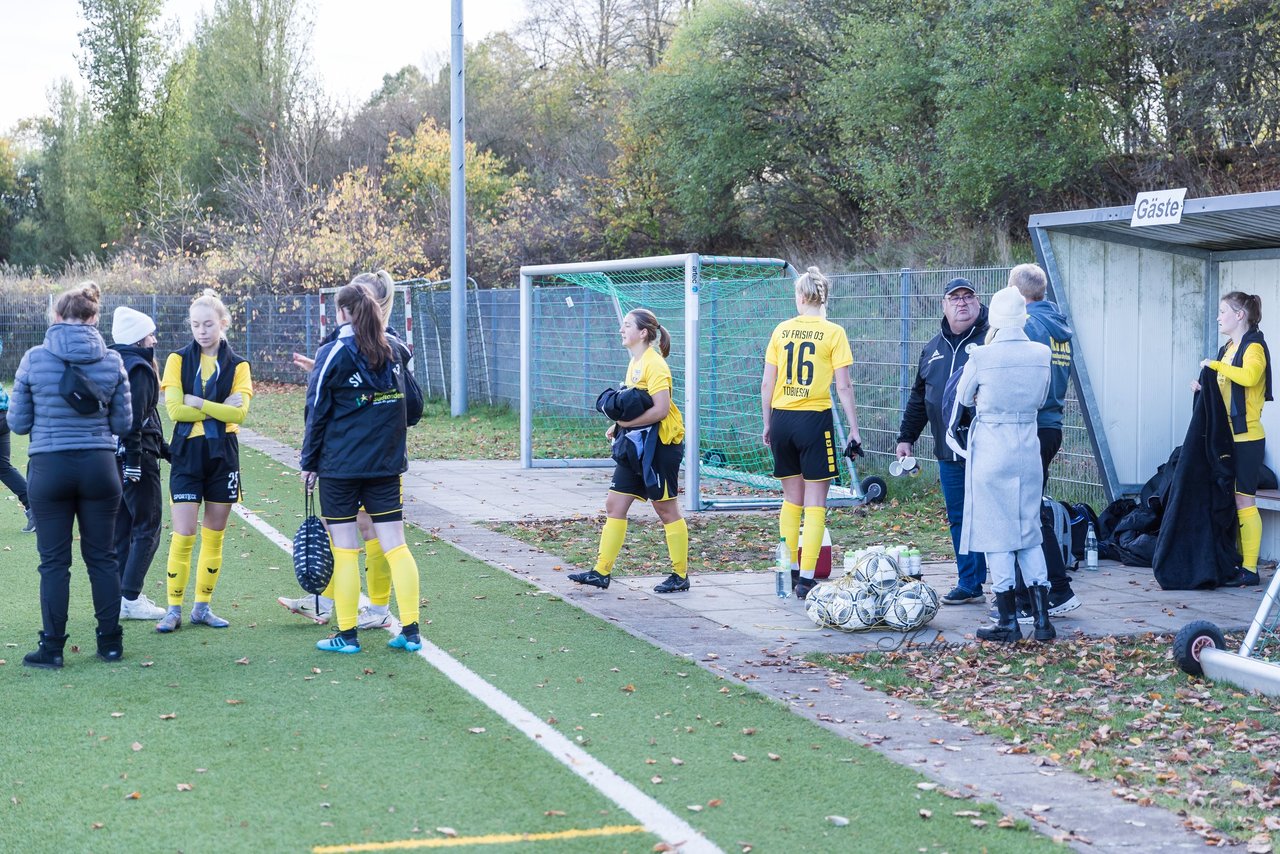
(656, 818)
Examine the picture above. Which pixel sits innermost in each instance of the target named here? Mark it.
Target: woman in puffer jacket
(72, 470)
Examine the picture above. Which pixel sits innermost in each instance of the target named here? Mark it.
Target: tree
(248, 86)
(124, 62)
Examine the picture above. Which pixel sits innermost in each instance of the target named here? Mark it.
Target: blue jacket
(356, 417)
(37, 408)
(1048, 325)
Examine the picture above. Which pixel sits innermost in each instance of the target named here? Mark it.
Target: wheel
(713, 458)
(1193, 639)
(875, 489)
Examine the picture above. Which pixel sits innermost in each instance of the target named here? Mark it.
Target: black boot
(1005, 631)
(48, 655)
(1040, 614)
(111, 645)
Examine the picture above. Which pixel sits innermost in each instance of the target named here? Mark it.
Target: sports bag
(80, 392)
(312, 556)
(1055, 521)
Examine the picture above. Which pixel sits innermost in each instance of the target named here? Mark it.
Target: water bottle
(782, 570)
(1091, 549)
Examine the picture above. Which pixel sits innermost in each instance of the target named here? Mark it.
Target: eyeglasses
(956, 299)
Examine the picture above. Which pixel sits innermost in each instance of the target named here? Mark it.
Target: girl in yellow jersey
(206, 388)
(648, 343)
(1244, 377)
(805, 353)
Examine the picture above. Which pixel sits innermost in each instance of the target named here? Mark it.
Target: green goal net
(719, 311)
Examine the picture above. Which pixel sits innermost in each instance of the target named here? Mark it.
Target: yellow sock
(180, 548)
(611, 538)
(208, 563)
(678, 546)
(789, 527)
(404, 578)
(815, 525)
(377, 572)
(1250, 537)
(346, 586)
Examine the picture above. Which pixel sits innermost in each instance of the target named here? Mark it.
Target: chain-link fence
(889, 318)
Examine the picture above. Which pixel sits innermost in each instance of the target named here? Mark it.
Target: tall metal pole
(458, 225)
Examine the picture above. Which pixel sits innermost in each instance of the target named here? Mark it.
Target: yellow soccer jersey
(232, 416)
(650, 373)
(1251, 375)
(806, 350)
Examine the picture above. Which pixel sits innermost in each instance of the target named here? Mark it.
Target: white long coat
(1006, 381)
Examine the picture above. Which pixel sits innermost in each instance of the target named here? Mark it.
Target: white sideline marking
(655, 817)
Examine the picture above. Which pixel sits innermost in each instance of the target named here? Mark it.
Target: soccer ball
(876, 569)
(870, 606)
(828, 605)
(912, 605)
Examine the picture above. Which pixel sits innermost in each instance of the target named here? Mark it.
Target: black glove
(133, 474)
(853, 450)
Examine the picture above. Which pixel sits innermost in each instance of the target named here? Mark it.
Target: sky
(354, 42)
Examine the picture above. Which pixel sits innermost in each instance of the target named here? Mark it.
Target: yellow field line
(487, 839)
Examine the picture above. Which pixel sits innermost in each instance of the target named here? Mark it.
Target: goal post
(719, 311)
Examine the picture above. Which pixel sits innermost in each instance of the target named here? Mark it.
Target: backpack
(1081, 517)
(1055, 521)
(80, 393)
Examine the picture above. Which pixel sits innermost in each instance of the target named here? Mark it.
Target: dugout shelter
(1143, 302)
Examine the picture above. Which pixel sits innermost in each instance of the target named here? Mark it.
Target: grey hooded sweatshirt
(36, 407)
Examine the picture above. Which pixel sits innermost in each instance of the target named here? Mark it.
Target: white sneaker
(371, 619)
(311, 607)
(141, 608)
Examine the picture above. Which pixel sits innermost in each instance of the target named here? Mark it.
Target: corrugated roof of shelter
(1213, 224)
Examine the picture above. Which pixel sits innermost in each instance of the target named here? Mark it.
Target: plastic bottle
(1091, 549)
(782, 570)
(917, 570)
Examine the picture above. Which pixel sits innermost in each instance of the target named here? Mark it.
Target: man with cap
(964, 327)
(139, 452)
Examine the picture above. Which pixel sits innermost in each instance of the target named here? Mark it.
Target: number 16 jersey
(806, 350)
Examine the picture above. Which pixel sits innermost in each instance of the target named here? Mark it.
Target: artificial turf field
(249, 739)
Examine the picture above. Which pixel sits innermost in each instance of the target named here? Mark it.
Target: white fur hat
(1007, 309)
(129, 326)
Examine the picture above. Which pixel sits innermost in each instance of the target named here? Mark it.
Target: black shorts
(194, 476)
(803, 443)
(381, 497)
(666, 464)
(1249, 465)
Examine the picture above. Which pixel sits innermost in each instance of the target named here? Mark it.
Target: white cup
(905, 466)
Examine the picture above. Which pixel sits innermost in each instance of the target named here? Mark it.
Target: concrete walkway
(732, 625)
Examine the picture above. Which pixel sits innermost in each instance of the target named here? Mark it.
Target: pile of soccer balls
(873, 594)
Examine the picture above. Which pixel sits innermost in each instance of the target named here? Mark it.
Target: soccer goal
(720, 312)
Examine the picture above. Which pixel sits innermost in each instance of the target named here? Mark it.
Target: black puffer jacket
(943, 356)
(146, 433)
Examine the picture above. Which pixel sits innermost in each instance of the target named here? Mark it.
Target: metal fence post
(904, 280)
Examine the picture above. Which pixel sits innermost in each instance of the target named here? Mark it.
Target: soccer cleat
(673, 584)
(30, 527)
(959, 595)
(338, 643)
(371, 619)
(310, 607)
(170, 622)
(141, 608)
(408, 639)
(591, 577)
(803, 586)
(205, 617)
